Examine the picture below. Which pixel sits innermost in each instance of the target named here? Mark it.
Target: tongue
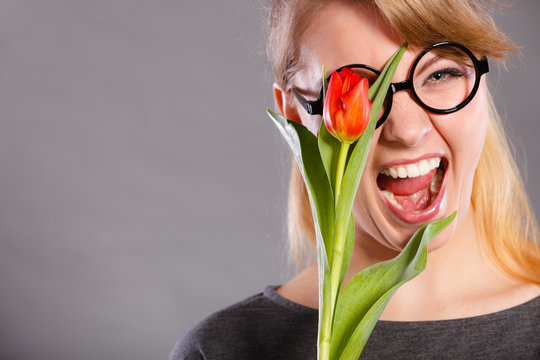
(415, 202)
(412, 194)
(406, 186)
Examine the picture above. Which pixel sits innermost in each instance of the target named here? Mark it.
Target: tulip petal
(331, 102)
(357, 116)
(346, 106)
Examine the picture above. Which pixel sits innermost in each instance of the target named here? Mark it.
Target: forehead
(345, 33)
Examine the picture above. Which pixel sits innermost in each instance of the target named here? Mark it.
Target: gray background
(142, 185)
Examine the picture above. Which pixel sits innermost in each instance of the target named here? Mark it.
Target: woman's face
(387, 210)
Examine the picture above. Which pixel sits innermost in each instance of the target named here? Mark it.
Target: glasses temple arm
(483, 66)
(312, 107)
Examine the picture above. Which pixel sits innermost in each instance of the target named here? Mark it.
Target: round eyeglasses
(443, 79)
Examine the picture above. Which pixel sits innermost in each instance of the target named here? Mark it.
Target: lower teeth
(390, 196)
(436, 182)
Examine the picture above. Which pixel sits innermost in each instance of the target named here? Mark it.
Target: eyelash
(448, 71)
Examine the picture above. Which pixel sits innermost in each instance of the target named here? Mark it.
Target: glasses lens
(444, 77)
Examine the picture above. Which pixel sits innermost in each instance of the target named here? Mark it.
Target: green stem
(326, 321)
(343, 151)
(339, 241)
(335, 267)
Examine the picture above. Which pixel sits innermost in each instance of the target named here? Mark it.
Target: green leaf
(328, 145)
(304, 147)
(383, 78)
(359, 153)
(306, 152)
(329, 148)
(347, 250)
(365, 296)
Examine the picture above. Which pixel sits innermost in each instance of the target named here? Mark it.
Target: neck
(459, 281)
(456, 275)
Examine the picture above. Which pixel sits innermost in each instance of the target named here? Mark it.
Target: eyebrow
(430, 62)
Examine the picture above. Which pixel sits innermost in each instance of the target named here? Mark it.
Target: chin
(442, 239)
(397, 238)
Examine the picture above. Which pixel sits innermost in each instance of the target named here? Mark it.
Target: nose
(408, 123)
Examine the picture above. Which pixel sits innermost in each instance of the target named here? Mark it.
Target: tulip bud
(346, 106)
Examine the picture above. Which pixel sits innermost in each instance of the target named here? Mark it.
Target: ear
(284, 104)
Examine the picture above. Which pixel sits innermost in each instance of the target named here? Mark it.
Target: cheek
(465, 139)
(313, 123)
(466, 134)
(369, 217)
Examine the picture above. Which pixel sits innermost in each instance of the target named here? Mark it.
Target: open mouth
(413, 191)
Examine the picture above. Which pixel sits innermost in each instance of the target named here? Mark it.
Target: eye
(443, 76)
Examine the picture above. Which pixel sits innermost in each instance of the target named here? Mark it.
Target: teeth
(436, 182)
(423, 167)
(434, 187)
(413, 170)
(390, 196)
(434, 163)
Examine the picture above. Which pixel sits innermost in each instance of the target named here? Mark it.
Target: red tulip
(346, 106)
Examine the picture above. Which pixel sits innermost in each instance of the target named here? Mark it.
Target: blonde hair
(500, 203)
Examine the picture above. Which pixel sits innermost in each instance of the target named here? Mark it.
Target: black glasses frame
(481, 67)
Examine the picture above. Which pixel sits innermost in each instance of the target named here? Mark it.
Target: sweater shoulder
(245, 328)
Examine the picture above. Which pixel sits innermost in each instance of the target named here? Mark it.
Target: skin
(459, 280)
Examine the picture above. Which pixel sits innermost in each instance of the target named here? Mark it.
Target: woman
(438, 148)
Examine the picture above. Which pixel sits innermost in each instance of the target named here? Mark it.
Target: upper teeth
(413, 170)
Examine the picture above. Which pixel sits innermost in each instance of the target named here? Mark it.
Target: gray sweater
(268, 326)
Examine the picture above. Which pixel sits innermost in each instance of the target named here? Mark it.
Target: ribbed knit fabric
(268, 326)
